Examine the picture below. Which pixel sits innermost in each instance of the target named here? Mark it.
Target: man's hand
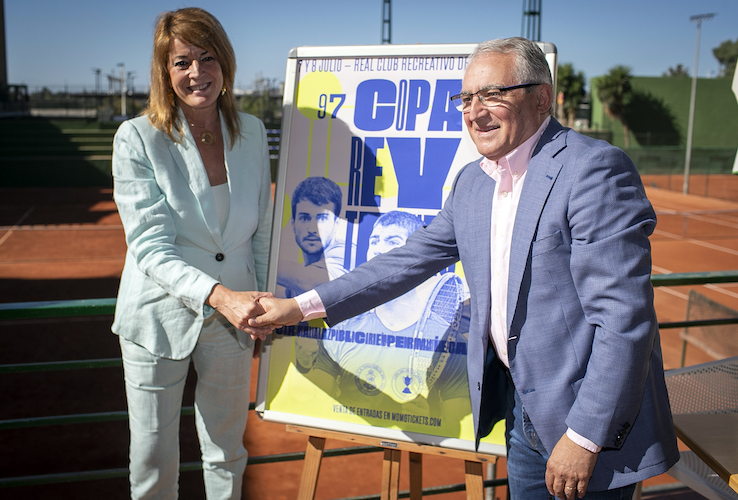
(278, 313)
(568, 469)
(238, 307)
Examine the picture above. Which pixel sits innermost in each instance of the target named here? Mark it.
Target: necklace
(206, 136)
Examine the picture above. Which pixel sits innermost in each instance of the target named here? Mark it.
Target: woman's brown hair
(200, 28)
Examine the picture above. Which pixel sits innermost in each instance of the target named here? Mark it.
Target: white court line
(697, 242)
(666, 289)
(717, 222)
(660, 270)
(713, 247)
(671, 292)
(666, 234)
(16, 225)
(724, 291)
(711, 286)
(701, 215)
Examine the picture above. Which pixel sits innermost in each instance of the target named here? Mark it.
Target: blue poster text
(379, 339)
(382, 105)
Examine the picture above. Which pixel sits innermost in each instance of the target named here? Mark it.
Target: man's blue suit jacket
(583, 341)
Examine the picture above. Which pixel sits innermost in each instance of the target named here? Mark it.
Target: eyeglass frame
(501, 90)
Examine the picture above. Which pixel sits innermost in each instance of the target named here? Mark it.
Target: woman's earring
(222, 92)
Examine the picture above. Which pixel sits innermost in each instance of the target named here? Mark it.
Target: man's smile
(487, 128)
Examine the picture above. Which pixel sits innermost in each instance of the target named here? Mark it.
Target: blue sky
(58, 42)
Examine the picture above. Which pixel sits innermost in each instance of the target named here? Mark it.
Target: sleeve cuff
(310, 305)
(583, 442)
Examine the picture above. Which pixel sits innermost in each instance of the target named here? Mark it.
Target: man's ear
(545, 98)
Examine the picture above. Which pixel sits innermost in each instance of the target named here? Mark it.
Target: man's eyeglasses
(489, 97)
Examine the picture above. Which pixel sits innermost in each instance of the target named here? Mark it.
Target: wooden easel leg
(638, 491)
(491, 474)
(416, 476)
(390, 488)
(313, 458)
(474, 480)
(391, 474)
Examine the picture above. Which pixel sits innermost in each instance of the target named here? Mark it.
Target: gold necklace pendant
(207, 138)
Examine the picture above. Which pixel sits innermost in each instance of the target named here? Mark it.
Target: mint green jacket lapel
(188, 159)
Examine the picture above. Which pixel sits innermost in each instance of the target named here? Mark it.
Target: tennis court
(58, 244)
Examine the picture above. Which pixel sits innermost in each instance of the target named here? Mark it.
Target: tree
(614, 90)
(678, 72)
(264, 101)
(726, 53)
(570, 89)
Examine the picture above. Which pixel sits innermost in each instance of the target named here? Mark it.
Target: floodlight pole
(386, 21)
(690, 127)
(532, 20)
(97, 79)
(122, 89)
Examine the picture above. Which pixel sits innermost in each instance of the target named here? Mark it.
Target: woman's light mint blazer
(177, 252)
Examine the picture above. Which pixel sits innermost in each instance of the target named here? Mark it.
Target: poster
(370, 147)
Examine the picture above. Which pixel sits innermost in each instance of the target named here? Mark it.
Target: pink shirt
(509, 175)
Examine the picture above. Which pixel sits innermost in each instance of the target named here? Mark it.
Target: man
(301, 382)
(393, 377)
(306, 352)
(316, 205)
(552, 230)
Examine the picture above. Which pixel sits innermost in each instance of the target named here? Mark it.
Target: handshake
(275, 313)
(256, 313)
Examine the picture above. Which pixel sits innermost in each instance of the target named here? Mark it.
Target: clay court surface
(61, 244)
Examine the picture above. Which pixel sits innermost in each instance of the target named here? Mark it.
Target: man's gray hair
(530, 64)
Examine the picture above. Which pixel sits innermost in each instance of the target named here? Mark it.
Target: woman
(192, 186)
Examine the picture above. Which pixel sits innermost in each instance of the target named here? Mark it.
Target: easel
(474, 463)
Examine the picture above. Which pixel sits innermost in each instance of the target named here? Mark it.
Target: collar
(519, 157)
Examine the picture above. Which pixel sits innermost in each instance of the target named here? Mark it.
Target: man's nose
(476, 107)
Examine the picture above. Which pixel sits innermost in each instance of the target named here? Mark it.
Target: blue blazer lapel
(474, 212)
(543, 170)
(480, 220)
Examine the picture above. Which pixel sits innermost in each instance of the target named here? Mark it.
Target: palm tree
(570, 89)
(614, 91)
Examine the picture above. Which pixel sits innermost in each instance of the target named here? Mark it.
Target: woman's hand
(238, 307)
